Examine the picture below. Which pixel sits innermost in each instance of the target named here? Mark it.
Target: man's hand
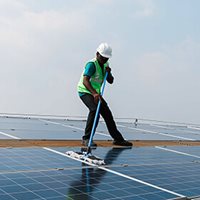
(108, 69)
(110, 78)
(97, 97)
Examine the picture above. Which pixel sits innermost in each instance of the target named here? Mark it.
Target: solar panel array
(144, 173)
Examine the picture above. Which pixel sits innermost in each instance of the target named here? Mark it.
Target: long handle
(97, 111)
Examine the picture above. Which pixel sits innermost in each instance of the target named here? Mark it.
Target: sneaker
(122, 143)
(85, 143)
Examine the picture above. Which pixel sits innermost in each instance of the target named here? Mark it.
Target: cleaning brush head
(88, 158)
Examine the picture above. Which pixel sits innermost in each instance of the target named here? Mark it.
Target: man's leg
(88, 100)
(110, 123)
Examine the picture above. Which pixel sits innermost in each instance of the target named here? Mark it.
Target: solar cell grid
(143, 173)
(72, 129)
(47, 182)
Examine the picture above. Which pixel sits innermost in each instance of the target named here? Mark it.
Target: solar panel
(144, 173)
(29, 128)
(38, 173)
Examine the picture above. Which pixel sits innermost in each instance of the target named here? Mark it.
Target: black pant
(105, 112)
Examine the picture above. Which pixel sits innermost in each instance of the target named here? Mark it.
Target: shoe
(122, 143)
(86, 142)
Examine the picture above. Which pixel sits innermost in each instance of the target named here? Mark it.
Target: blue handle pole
(97, 111)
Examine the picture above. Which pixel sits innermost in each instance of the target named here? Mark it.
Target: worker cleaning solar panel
(91, 88)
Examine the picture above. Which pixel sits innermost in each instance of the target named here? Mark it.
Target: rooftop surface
(143, 172)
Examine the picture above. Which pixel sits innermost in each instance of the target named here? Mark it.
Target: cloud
(103, 2)
(31, 36)
(185, 54)
(146, 8)
(29, 22)
(166, 82)
(179, 60)
(37, 53)
(150, 68)
(11, 8)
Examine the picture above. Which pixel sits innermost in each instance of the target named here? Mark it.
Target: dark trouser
(105, 112)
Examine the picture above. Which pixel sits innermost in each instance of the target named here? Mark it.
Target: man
(89, 88)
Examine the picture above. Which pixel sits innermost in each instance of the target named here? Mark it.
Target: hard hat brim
(105, 55)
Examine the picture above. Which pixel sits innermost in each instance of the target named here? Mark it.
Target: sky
(44, 46)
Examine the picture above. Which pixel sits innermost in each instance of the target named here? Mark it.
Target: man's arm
(87, 84)
(110, 77)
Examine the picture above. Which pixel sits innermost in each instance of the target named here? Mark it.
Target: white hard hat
(105, 50)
